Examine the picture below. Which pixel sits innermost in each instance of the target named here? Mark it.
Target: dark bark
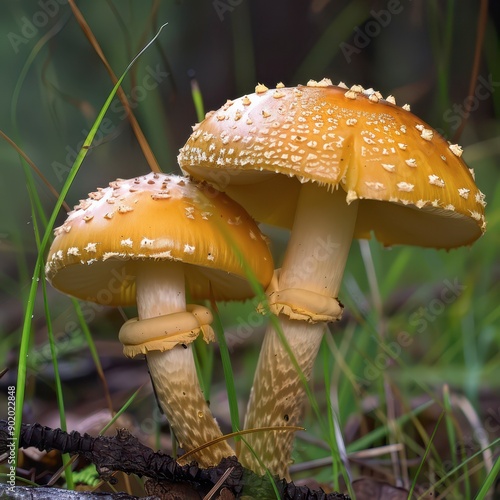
(125, 453)
(43, 493)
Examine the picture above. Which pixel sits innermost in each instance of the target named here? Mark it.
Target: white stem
(315, 260)
(161, 291)
(320, 241)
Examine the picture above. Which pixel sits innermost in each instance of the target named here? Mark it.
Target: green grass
(38, 272)
(387, 374)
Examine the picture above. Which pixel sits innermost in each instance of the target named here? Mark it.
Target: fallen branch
(126, 453)
(44, 493)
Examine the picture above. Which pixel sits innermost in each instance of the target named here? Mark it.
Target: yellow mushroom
(145, 241)
(332, 163)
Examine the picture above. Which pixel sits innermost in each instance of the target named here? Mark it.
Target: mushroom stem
(314, 261)
(161, 291)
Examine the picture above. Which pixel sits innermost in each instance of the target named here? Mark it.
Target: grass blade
(37, 274)
(227, 369)
(427, 449)
(489, 481)
(59, 392)
(197, 99)
(120, 411)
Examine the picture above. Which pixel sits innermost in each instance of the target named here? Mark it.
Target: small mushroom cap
(413, 186)
(97, 252)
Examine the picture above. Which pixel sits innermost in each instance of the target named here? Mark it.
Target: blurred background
(400, 346)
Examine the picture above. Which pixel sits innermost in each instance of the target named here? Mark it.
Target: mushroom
(144, 241)
(332, 163)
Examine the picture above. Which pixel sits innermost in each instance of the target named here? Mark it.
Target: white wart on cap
(156, 217)
(413, 186)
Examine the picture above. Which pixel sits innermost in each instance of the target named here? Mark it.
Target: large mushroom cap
(157, 217)
(412, 184)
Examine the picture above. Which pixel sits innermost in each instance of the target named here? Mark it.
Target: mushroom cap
(412, 184)
(97, 252)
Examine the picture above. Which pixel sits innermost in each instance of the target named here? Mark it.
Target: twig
(125, 453)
